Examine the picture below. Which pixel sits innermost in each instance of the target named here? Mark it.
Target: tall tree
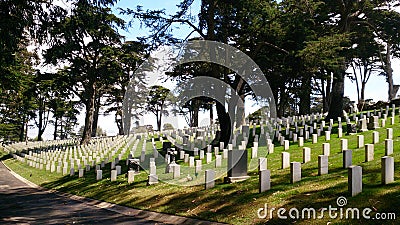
(158, 102)
(345, 17)
(386, 23)
(365, 61)
(85, 40)
(17, 99)
(130, 57)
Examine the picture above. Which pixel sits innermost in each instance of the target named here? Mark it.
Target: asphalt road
(22, 204)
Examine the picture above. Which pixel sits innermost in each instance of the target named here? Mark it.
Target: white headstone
(314, 138)
(201, 154)
(355, 180)
(264, 180)
(99, 174)
(327, 135)
(286, 145)
(369, 152)
(218, 160)
(225, 153)
(176, 171)
(254, 151)
(198, 166)
(301, 141)
(285, 160)
(326, 149)
(306, 154)
(113, 175)
(131, 176)
(295, 172)
(347, 158)
(322, 164)
(208, 157)
(209, 179)
(360, 141)
(388, 147)
(340, 132)
(271, 148)
(387, 174)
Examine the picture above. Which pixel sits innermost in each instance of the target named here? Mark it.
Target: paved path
(22, 202)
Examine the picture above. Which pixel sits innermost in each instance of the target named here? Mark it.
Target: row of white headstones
(355, 184)
(81, 158)
(354, 171)
(102, 152)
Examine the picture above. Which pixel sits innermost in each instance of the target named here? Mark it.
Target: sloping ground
(239, 203)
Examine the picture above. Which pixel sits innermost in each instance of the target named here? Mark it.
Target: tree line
(305, 49)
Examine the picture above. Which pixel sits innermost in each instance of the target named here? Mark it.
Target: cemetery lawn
(238, 203)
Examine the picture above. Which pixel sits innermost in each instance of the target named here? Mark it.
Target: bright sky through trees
(376, 88)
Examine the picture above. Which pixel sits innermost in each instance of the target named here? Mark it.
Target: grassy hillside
(238, 203)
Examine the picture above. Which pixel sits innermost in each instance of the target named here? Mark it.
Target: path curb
(137, 213)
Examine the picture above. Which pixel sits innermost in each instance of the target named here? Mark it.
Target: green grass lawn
(238, 203)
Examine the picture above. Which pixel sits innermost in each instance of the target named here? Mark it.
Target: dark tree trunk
(240, 111)
(211, 113)
(96, 117)
(305, 95)
(324, 105)
(119, 122)
(195, 116)
(90, 108)
(22, 130)
(363, 91)
(26, 132)
(327, 94)
(55, 128)
(282, 102)
(224, 123)
(62, 130)
(159, 115)
(40, 125)
(336, 98)
(389, 73)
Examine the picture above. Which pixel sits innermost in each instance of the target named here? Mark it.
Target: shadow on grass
(241, 199)
(5, 157)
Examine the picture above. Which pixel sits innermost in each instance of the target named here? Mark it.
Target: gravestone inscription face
(388, 147)
(131, 176)
(322, 164)
(387, 171)
(209, 179)
(354, 180)
(264, 180)
(347, 158)
(306, 154)
(237, 163)
(295, 172)
(262, 163)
